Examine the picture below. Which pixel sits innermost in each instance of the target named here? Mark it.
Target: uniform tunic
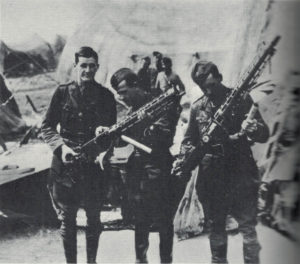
(78, 116)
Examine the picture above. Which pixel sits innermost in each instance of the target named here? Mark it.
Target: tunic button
(80, 114)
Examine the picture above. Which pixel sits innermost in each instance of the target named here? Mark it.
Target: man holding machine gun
(228, 177)
(83, 108)
(151, 191)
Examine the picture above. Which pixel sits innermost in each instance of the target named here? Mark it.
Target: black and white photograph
(149, 131)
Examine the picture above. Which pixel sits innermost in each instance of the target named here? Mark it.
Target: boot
(251, 246)
(251, 253)
(70, 249)
(218, 247)
(91, 248)
(166, 244)
(69, 237)
(141, 244)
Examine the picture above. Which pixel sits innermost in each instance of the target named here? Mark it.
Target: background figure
(149, 180)
(167, 77)
(147, 75)
(158, 61)
(82, 108)
(228, 177)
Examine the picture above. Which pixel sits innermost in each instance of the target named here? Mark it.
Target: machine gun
(195, 153)
(148, 113)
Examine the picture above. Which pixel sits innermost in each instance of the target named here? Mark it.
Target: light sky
(22, 18)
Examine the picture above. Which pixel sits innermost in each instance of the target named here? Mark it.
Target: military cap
(202, 69)
(121, 75)
(157, 54)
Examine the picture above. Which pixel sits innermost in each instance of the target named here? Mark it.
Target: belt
(78, 137)
(216, 149)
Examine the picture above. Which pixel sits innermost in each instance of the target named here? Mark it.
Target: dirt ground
(43, 245)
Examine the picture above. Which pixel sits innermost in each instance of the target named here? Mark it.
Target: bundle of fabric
(189, 218)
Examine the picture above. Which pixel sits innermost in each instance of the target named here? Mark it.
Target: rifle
(191, 158)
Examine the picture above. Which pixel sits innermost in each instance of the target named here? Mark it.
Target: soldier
(228, 176)
(158, 60)
(168, 77)
(82, 108)
(149, 178)
(147, 75)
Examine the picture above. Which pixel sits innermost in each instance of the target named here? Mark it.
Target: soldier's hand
(150, 131)
(249, 126)
(143, 115)
(176, 168)
(100, 129)
(67, 154)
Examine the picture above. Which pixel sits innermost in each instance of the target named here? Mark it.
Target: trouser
(151, 196)
(243, 209)
(66, 202)
(68, 232)
(166, 233)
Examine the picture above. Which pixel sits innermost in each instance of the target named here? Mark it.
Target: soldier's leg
(218, 237)
(166, 234)
(141, 241)
(68, 233)
(218, 208)
(93, 231)
(93, 200)
(67, 215)
(142, 226)
(166, 228)
(218, 197)
(245, 212)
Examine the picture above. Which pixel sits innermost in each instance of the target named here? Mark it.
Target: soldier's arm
(157, 83)
(113, 111)
(162, 131)
(179, 83)
(261, 134)
(189, 142)
(192, 133)
(49, 124)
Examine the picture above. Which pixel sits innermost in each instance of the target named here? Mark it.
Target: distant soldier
(145, 75)
(167, 77)
(158, 60)
(149, 180)
(83, 108)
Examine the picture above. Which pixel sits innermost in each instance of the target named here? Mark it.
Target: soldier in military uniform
(82, 108)
(228, 177)
(168, 77)
(149, 179)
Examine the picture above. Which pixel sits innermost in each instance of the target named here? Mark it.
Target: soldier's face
(86, 69)
(211, 84)
(145, 64)
(125, 92)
